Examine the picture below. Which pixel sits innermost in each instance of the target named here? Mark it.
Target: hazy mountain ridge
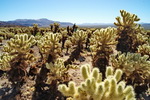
(29, 22)
(104, 25)
(43, 22)
(7, 24)
(96, 25)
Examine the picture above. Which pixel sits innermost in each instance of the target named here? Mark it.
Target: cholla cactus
(89, 33)
(21, 43)
(93, 88)
(101, 44)
(34, 29)
(131, 34)
(20, 57)
(49, 48)
(77, 40)
(1, 38)
(64, 38)
(6, 34)
(103, 38)
(58, 71)
(144, 49)
(55, 27)
(128, 19)
(68, 45)
(5, 58)
(49, 45)
(20, 46)
(74, 28)
(135, 66)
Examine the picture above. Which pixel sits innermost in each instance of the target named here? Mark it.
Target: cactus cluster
(131, 34)
(102, 39)
(55, 27)
(19, 46)
(72, 29)
(20, 57)
(145, 48)
(49, 45)
(34, 30)
(58, 71)
(34, 54)
(77, 40)
(135, 66)
(6, 34)
(21, 43)
(101, 44)
(5, 58)
(127, 20)
(64, 38)
(94, 88)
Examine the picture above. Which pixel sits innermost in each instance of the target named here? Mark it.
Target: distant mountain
(104, 25)
(29, 22)
(7, 24)
(46, 22)
(146, 25)
(96, 25)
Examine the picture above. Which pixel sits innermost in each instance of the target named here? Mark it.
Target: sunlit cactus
(89, 34)
(6, 34)
(144, 49)
(58, 71)
(1, 38)
(34, 29)
(20, 46)
(101, 45)
(77, 40)
(72, 29)
(64, 38)
(103, 38)
(128, 19)
(21, 43)
(131, 34)
(132, 63)
(49, 48)
(5, 58)
(49, 45)
(55, 27)
(68, 45)
(19, 56)
(136, 69)
(94, 88)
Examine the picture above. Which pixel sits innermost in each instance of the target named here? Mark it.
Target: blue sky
(75, 11)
